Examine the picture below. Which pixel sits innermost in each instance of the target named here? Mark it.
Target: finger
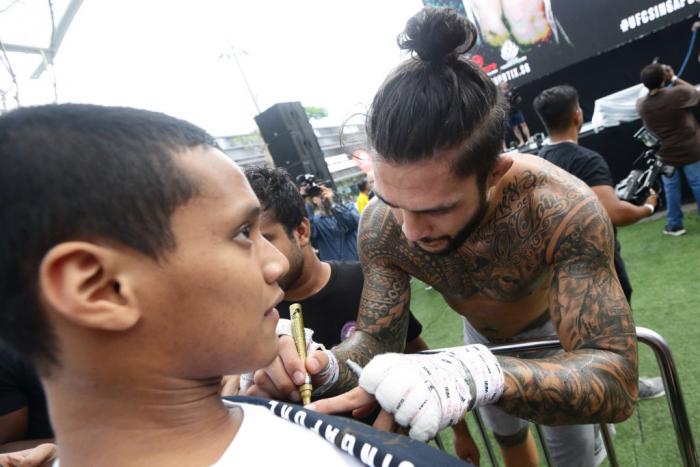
(282, 388)
(384, 421)
(291, 362)
(376, 370)
(317, 363)
(426, 422)
(392, 391)
(365, 410)
(278, 381)
(351, 400)
(256, 391)
(44, 453)
(230, 385)
(413, 401)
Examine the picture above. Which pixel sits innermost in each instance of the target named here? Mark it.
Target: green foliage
(316, 113)
(664, 274)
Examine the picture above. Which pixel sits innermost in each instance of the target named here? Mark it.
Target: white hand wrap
(430, 392)
(284, 328)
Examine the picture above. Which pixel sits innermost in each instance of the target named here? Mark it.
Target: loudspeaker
(291, 140)
(282, 118)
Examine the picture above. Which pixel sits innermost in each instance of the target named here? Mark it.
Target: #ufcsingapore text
(654, 13)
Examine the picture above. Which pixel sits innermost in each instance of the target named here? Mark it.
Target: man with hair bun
(515, 245)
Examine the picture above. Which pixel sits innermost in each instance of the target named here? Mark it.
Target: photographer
(333, 225)
(666, 112)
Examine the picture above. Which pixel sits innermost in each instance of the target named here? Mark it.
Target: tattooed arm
(595, 380)
(382, 321)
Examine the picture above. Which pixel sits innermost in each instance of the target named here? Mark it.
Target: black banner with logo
(522, 40)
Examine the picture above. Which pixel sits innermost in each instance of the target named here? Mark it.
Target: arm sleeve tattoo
(382, 321)
(595, 379)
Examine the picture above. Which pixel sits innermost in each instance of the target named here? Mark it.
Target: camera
(646, 172)
(308, 181)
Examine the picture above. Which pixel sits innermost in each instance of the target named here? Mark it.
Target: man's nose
(413, 227)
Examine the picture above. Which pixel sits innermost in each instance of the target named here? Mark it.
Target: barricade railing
(669, 375)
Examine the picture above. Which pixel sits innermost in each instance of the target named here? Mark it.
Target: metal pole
(485, 438)
(609, 448)
(669, 375)
(543, 443)
(674, 394)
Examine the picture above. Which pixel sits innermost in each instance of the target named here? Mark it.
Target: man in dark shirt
(559, 110)
(516, 119)
(24, 419)
(666, 112)
(329, 291)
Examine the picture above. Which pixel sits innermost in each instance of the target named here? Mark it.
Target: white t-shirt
(266, 439)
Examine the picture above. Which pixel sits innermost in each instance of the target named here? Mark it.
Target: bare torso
(543, 251)
(499, 278)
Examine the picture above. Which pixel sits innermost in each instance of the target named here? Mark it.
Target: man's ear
(302, 232)
(578, 117)
(502, 165)
(86, 284)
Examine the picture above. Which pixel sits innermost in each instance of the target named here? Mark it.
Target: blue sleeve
(348, 219)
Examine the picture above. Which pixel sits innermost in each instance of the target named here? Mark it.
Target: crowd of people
(145, 280)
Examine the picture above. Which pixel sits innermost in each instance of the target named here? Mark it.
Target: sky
(171, 56)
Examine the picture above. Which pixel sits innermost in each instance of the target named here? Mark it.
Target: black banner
(520, 41)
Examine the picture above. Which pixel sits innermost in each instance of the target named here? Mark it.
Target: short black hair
(653, 76)
(75, 171)
(555, 107)
(279, 195)
(438, 99)
(363, 185)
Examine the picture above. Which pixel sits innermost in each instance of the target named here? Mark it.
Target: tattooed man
(515, 245)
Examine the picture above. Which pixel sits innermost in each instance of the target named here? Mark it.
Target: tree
(315, 113)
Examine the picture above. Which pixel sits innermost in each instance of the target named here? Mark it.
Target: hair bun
(438, 34)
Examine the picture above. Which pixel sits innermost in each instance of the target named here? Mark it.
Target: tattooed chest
(508, 274)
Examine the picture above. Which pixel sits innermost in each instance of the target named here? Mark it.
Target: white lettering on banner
(286, 409)
(515, 72)
(331, 433)
(347, 443)
(299, 418)
(367, 454)
(653, 13)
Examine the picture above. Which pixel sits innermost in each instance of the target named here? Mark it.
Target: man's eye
(243, 233)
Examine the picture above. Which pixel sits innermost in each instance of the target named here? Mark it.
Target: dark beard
(289, 280)
(466, 231)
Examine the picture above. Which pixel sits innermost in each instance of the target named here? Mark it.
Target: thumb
(316, 362)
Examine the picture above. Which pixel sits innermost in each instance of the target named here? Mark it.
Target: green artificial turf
(665, 275)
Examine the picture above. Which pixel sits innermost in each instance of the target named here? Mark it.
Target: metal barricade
(669, 375)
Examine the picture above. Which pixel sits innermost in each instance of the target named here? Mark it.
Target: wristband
(330, 373)
(650, 207)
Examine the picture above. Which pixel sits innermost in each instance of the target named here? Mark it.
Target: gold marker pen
(297, 321)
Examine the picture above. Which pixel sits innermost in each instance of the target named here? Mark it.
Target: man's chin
(435, 248)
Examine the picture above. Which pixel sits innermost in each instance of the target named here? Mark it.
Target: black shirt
(20, 387)
(332, 312)
(591, 168)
